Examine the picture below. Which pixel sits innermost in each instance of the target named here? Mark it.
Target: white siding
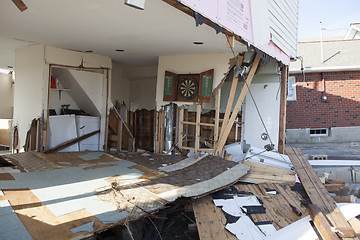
(284, 24)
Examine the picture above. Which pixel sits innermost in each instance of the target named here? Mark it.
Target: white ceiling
(104, 26)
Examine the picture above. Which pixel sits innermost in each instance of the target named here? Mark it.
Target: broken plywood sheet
(105, 192)
(210, 220)
(278, 209)
(28, 162)
(259, 173)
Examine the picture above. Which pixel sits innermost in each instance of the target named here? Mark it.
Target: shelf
(60, 89)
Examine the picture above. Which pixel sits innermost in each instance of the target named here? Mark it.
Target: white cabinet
(84, 125)
(62, 128)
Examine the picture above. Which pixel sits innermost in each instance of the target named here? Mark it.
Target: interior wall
(28, 88)
(143, 94)
(92, 85)
(143, 87)
(6, 96)
(120, 88)
(186, 64)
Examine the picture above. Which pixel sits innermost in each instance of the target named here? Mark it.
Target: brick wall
(340, 109)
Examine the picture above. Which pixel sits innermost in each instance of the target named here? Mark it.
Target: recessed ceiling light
(198, 43)
(10, 66)
(89, 51)
(119, 50)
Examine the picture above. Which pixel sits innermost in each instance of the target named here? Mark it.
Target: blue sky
(335, 15)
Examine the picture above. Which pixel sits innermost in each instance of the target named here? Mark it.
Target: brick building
(324, 94)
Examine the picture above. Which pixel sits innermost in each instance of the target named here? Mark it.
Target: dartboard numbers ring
(188, 88)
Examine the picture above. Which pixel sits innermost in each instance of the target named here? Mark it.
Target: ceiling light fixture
(138, 4)
(198, 43)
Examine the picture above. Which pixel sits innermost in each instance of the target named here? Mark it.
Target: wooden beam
(217, 117)
(355, 224)
(119, 136)
(197, 129)
(71, 142)
(317, 192)
(282, 121)
(231, 97)
(321, 223)
(231, 40)
(227, 127)
(20, 5)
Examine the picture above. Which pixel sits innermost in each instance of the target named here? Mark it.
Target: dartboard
(188, 88)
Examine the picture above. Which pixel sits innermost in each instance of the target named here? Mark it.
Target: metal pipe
(169, 125)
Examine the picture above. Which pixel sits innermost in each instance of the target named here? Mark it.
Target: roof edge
(326, 69)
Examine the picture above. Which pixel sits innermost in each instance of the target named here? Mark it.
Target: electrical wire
(252, 97)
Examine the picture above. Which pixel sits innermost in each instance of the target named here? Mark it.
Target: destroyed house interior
(163, 120)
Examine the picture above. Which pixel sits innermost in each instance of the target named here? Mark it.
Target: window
(291, 90)
(319, 132)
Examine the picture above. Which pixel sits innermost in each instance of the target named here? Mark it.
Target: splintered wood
(210, 220)
(278, 210)
(318, 194)
(259, 173)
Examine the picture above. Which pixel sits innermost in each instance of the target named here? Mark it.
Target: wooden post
(321, 223)
(197, 129)
(231, 98)
(181, 127)
(119, 136)
(217, 116)
(227, 127)
(282, 121)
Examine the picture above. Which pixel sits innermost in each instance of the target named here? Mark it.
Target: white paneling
(283, 24)
(268, 102)
(61, 129)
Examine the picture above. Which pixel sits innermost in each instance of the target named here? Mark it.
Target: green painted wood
(168, 85)
(206, 86)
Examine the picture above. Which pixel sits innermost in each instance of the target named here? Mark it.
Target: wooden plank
(226, 128)
(197, 130)
(282, 121)
(317, 192)
(355, 224)
(119, 136)
(231, 97)
(181, 127)
(210, 220)
(20, 5)
(322, 224)
(117, 114)
(231, 42)
(217, 117)
(71, 142)
(189, 123)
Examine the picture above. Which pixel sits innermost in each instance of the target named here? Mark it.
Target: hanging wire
(257, 109)
(252, 97)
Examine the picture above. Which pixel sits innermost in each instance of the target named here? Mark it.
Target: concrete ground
(334, 151)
